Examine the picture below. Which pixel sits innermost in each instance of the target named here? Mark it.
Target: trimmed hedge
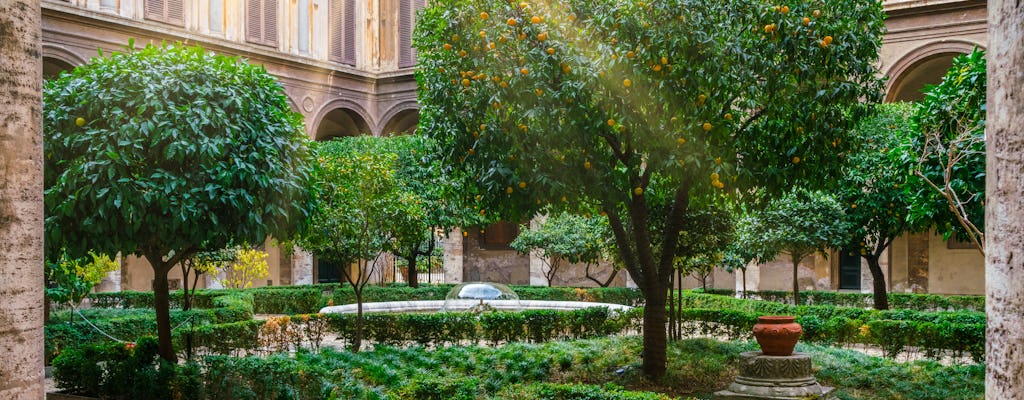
(892, 330)
(439, 329)
(910, 301)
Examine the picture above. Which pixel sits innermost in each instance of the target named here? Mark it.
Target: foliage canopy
(642, 110)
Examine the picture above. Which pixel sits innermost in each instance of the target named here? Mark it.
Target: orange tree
(642, 111)
(873, 190)
(166, 152)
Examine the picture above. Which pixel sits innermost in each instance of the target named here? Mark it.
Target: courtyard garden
(654, 139)
(270, 343)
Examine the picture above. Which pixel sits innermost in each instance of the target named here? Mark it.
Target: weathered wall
(137, 274)
(954, 271)
(815, 273)
(500, 266)
(574, 275)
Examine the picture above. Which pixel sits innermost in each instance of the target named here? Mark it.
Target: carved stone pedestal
(775, 378)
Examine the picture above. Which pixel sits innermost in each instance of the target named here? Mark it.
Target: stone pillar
(21, 201)
(452, 263)
(302, 267)
(538, 265)
(212, 281)
(1004, 214)
(630, 283)
(110, 283)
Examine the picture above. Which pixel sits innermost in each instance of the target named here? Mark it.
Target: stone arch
(340, 121)
(401, 119)
(924, 65)
(57, 59)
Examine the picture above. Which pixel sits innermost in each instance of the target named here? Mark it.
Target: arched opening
(403, 123)
(911, 81)
(341, 122)
(52, 67)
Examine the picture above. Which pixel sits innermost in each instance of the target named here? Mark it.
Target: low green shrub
(115, 371)
(895, 331)
(553, 391)
(910, 301)
(495, 327)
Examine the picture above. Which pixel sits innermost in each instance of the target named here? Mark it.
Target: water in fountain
(481, 296)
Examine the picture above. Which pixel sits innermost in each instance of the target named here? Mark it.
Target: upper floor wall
(373, 36)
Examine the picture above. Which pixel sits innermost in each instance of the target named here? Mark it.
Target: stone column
(21, 201)
(452, 263)
(110, 283)
(1004, 214)
(302, 267)
(537, 262)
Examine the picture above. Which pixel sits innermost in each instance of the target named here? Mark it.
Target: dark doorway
(327, 271)
(849, 270)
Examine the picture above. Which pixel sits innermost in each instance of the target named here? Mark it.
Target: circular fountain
(473, 297)
(481, 296)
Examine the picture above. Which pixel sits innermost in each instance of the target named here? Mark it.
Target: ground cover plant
(605, 368)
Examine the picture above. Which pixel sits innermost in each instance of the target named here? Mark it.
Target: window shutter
(342, 27)
(253, 21)
(270, 22)
(175, 12)
(166, 11)
(335, 19)
(261, 22)
(154, 10)
(405, 16)
(349, 27)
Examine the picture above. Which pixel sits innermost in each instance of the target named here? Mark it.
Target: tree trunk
(881, 290)
(21, 202)
(796, 280)
(162, 307)
(357, 342)
(655, 342)
(1004, 214)
(744, 272)
(672, 312)
(413, 276)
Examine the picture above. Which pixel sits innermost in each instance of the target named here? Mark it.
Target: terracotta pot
(777, 335)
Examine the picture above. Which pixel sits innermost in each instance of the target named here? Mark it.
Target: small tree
(798, 224)
(951, 153)
(563, 237)
(441, 201)
(248, 266)
(69, 280)
(167, 151)
(359, 208)
(874, 188)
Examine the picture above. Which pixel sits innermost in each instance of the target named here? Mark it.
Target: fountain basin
(436, 305)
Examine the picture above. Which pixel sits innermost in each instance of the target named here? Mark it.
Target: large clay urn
(777, 335)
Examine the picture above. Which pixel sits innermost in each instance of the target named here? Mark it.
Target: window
(166, 11)
(342, 26)
(217, 16)
(499, 235)
(303, 22)
(406, 22)
(261, 22)
(956, 243)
